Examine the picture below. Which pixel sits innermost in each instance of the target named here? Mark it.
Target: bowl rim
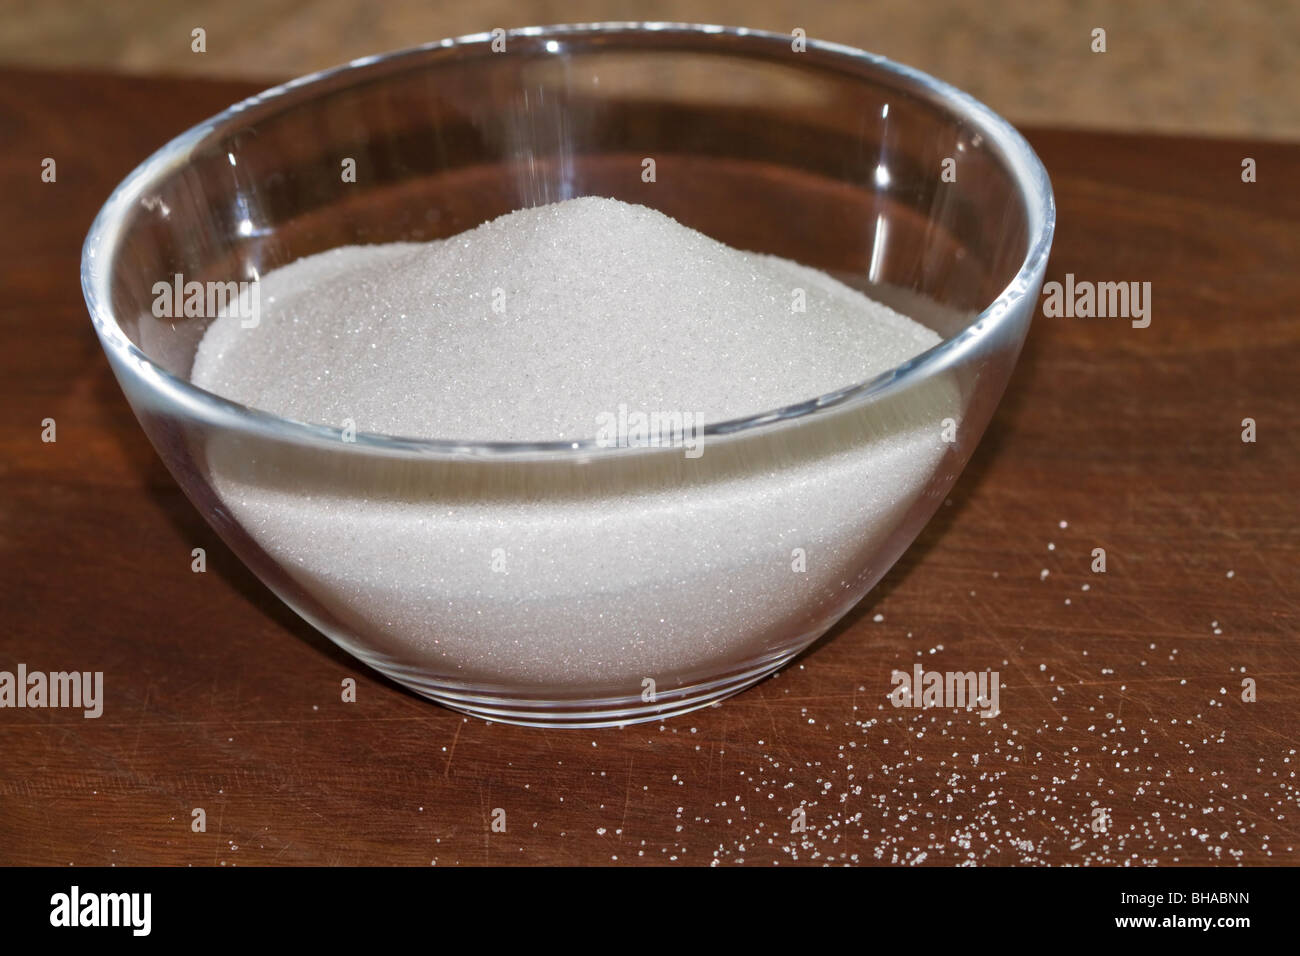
(1027, 171)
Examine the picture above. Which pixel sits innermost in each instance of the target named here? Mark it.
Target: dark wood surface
(1127, 699)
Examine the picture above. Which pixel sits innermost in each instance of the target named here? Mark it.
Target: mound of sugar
(530, 326)
(583, 578)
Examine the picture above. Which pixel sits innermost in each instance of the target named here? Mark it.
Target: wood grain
(1125, 699)
(1207, 68)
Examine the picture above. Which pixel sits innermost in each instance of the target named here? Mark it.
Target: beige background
(1223, 68)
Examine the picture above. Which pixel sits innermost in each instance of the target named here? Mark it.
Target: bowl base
(590, 713)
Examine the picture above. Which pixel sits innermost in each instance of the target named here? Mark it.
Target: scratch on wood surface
(627, 793)
(451, 750)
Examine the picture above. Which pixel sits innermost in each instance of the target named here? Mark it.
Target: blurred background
(1214, 67)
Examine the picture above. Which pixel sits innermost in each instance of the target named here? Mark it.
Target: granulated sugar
(533, 327)
(528, 327)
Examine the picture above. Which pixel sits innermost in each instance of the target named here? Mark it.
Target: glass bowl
(568, 583)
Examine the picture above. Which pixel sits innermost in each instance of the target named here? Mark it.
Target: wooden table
(1123, 690)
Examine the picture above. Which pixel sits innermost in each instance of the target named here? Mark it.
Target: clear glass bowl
(637, 583)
